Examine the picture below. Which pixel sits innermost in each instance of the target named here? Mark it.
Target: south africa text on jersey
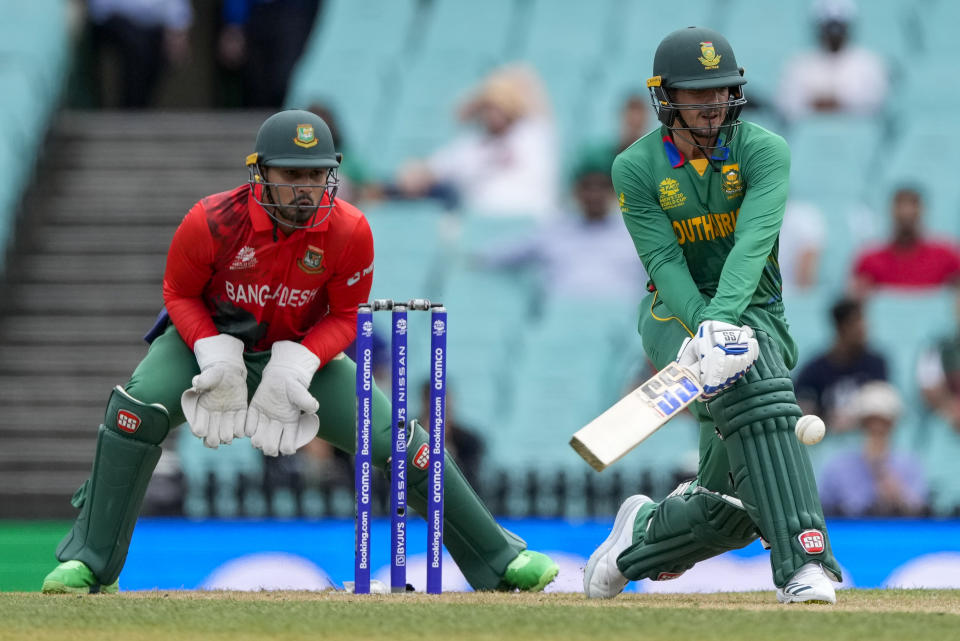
(706, 227)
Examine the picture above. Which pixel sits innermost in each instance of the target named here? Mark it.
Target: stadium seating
(33, 62)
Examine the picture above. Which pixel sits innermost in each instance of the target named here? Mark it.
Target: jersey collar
(263, 223)
(676, 157)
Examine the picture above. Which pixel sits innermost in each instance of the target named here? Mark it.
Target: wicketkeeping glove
(216, 405)
(720, 352)
(282, 415)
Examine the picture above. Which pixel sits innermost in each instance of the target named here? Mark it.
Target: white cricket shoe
(808, 584)
(602, 578)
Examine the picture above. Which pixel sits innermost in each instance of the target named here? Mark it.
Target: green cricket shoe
(74, 577)
(529, 572)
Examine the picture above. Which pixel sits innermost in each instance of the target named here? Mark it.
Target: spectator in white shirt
(506, 166)
(837, 77)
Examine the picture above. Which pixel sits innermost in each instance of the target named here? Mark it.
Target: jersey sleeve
(348, 287)
(656, 242)
(189, 268)
(767, 174)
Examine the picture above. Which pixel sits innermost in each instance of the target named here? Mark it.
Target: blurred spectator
(634, 123)
(827, 385)
(142, 36)
(873, 481)
(262, 40)
(938, 374)
(355, 183)
(586, 254)
(460, 440)
(908, 260)
(801, 242)
(508, 165)
(839, 76)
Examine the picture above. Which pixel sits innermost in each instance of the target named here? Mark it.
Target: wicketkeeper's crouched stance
(703, 198)
(262, 286)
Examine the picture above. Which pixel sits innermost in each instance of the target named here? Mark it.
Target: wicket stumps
(398, 458)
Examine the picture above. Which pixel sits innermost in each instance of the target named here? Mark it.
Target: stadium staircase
(83, 282)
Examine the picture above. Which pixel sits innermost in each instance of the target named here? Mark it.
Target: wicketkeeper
(261, 286)
(703, 197)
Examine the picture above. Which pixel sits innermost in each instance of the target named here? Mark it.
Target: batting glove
(721, 353)
(216, 404)
(282, 415)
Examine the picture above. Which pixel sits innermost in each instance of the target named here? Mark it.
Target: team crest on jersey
(670, 194)
(245, 258)
(305, 136)
(708, 56)
(312, 261)
(732, 184)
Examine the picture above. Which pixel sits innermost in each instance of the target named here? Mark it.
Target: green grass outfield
(911, 615)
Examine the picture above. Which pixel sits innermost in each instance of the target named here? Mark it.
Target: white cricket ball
(810, 429)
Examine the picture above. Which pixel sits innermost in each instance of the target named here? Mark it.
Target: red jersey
(926, 264)
(226, 274)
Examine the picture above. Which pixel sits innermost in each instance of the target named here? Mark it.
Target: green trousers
(481, 548)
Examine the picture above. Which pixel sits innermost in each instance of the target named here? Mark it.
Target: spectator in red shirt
(261, 288)
(908, 260)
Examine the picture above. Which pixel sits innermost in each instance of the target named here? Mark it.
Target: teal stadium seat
(892, 29)
(765, 40)
(832, 156)
(347, 29)
(940, 465)
(808, 313)
(422, 115)
(488, 312)
(226, 464)
(407, 244)
(569, 43)
(938, 20)
(466, 31)
(923, 157)
(33, 60)
(902, 326)
(640, 26)
(565, 376)
(351, 65)
(33, 36)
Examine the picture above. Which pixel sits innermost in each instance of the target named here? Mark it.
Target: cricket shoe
(529, 572)
(602, 578)
(809, 584)
(74, 577)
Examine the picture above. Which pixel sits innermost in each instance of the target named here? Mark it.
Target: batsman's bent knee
(687, 527)
(109, 501)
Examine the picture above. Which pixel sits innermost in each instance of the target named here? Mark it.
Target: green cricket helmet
(695, 58)
(294, 139)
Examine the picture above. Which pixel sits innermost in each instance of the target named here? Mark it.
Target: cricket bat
(636, 416)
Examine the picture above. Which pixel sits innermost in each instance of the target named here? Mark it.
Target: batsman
(261, 291)
(703, 197)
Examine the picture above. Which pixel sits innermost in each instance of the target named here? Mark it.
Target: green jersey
(709, 240)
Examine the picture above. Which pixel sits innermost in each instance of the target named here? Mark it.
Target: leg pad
(109, 501)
